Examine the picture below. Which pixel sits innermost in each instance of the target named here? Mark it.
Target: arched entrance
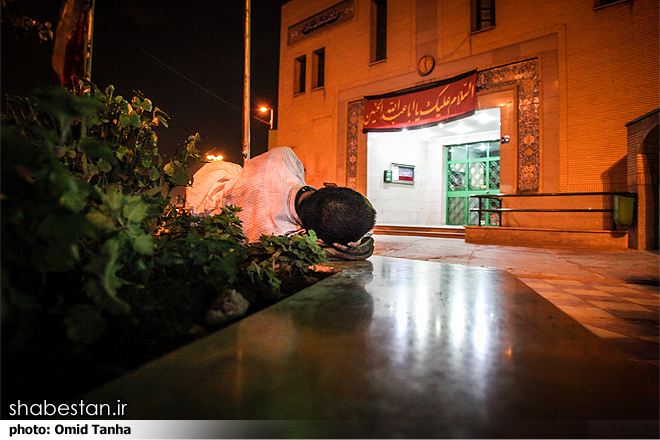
(643, 171)
(650, 160)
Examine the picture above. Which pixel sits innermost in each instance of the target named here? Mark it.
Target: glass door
(472, 169)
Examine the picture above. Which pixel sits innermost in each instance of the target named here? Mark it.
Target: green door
(472, 169)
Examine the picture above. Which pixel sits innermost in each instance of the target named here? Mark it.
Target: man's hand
(353, 251)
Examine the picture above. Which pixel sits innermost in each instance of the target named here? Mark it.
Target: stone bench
(400, 348)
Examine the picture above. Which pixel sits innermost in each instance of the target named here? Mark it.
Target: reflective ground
(391, 348)
(614, 294)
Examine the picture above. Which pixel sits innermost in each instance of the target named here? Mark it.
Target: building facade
(556, 86)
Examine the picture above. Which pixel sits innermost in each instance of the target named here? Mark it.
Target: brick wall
(602, 71)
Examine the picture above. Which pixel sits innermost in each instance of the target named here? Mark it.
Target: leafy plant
(273, 255)
(207, 249)
(92, 243)
(24, 26)
(64, 211)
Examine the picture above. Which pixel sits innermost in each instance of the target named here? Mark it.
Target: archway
(648, 189)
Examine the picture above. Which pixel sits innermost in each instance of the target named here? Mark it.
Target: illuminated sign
(423, 106)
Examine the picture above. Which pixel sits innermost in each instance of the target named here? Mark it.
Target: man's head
(337, 214)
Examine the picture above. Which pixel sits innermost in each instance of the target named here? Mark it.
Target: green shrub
(89, 232)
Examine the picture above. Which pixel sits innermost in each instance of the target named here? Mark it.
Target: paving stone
(565, 276)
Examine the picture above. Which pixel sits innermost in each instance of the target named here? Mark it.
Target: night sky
(162, 47)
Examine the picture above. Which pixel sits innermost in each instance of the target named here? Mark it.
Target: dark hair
(337, 214)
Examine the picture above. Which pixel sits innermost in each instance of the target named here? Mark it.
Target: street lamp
(264, 110)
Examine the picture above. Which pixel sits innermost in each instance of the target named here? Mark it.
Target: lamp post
(246, 85)
(264, 110)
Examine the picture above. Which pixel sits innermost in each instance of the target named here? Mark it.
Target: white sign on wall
(403, 173)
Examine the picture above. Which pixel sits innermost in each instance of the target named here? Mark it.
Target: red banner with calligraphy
(423, 106)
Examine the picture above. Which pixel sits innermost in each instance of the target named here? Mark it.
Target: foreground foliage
(98, 263)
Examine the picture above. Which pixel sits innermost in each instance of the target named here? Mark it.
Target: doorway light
(483, 117)
(461, 129)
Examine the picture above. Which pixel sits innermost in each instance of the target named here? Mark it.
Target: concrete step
(538, 237)
(422, 231)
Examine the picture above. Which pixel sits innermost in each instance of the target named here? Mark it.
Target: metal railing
(481, 209)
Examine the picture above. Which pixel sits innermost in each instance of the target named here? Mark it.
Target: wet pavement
(614, 294)
(399, 348)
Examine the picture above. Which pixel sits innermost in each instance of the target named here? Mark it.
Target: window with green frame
(472, 168)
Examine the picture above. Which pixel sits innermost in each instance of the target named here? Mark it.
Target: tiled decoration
(525, 77)
(355, 111)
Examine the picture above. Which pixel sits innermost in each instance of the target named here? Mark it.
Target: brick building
(565, 98)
